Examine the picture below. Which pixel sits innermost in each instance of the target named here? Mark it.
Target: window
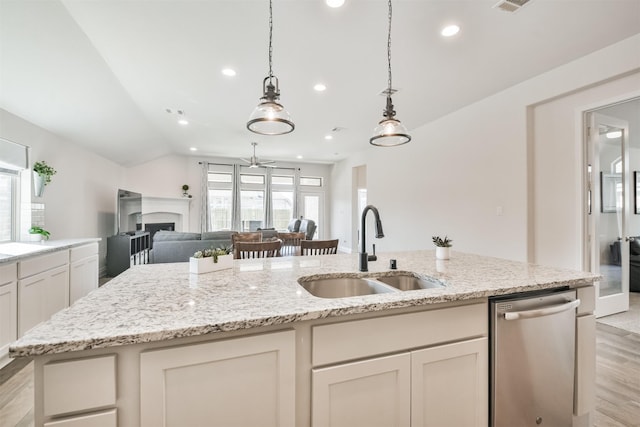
(220, 198)
(7, 206)
(311, 181)
(13, 160)
(254, 193)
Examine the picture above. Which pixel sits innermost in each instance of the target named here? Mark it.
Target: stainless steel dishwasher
(532, 358)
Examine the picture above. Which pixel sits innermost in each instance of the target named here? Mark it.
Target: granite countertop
(16, 251)
(163, 301)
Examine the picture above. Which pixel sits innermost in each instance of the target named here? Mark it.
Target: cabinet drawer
(101, 419)
(365, 338)
(83, 251)
(38, 264)
(8, 273)
(79, 385)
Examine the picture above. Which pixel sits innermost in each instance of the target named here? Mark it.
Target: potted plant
(42, 174)
(210, 260)
(443, 247)
(39, 233)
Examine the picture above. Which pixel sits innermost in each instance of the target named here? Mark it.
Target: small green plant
(44, 170)
(185, 188)
(39, 230)
(442, 243)
(214, 253)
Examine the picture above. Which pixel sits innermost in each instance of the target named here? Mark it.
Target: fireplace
(157, 226)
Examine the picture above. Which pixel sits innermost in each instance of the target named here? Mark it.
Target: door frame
(617, 302)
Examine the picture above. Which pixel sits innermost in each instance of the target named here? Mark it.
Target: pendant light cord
(270, 40)
(389, 49)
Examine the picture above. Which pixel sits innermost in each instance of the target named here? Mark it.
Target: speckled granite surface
(163, 301)
(16, 251)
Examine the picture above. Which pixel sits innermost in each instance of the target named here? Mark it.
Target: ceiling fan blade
(246, 160)
(266, 162)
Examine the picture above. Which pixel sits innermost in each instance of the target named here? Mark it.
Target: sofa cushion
(634, 246)
(166, 236)
(294, 225)
(217, 235)
(269, 234)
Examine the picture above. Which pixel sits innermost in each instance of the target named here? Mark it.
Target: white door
(312, 207)
(609, 184)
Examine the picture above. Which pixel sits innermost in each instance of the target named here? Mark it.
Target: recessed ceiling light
(319, 87)
(334, 3)
(183, 122)
(328, 137)
(193, 149)
(229, 72)
(299, 156)
(450, 30)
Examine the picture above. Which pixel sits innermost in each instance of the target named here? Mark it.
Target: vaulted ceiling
(102, 73)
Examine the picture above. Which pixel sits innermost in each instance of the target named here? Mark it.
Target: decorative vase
(206, 265)
(38, 184)
(443, 252)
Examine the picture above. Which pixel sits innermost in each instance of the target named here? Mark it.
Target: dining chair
(291, 243)
(246, 250)
(319, 247)
(255, 236)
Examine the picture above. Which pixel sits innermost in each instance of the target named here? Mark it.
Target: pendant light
(270, 117)
(389, 132)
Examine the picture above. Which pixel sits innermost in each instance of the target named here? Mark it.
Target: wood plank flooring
(617, 383)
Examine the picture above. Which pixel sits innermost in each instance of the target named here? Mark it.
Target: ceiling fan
(255, 163)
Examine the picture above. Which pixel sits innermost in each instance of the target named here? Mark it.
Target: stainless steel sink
(341, 287)
(410, 282)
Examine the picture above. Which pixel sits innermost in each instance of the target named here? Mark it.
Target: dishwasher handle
(545, 311)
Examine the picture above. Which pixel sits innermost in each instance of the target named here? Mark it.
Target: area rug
(629, 320)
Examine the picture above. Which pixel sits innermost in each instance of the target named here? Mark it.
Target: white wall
(81, 199)
(461, 170)
(165, 176)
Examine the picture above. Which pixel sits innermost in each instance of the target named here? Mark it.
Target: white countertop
(163, 301)
(15, 251)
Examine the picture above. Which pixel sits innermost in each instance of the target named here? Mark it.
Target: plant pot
(36, 237)
(443, 252)
(38, 184)
(206, 265)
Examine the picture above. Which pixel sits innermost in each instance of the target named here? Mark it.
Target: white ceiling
(102, 72)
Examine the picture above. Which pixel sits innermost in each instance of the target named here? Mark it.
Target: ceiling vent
(510, 5)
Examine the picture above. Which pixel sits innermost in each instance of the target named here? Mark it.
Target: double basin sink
(341, 287)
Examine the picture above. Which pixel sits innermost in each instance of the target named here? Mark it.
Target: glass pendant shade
(270, 117)
(389, 132)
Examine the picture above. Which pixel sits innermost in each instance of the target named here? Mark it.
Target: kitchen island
(249, 346)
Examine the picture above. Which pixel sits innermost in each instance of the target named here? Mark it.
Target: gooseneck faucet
(364, 257)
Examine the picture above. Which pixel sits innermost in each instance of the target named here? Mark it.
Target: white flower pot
(443, 253)
(206, 265)
(38, 184)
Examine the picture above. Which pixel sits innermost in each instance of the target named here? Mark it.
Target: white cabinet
(247, 381)
(83, 271)
(370, 393)
(437, 377)
(449, 385)
(8, 308)
(43, 289)
(437, 387)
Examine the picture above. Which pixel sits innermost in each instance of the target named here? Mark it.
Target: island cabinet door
(369, 393)
(449, 385)
(247, 381)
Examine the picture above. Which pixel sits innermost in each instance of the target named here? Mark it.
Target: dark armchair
(634, 261)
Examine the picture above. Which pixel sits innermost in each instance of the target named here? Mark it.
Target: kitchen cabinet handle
(528, 314)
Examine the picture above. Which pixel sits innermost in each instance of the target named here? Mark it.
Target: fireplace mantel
(167, 209)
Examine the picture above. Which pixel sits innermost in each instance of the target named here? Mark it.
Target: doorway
(613, 164)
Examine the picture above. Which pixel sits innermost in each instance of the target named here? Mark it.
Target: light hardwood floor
(617, 383)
